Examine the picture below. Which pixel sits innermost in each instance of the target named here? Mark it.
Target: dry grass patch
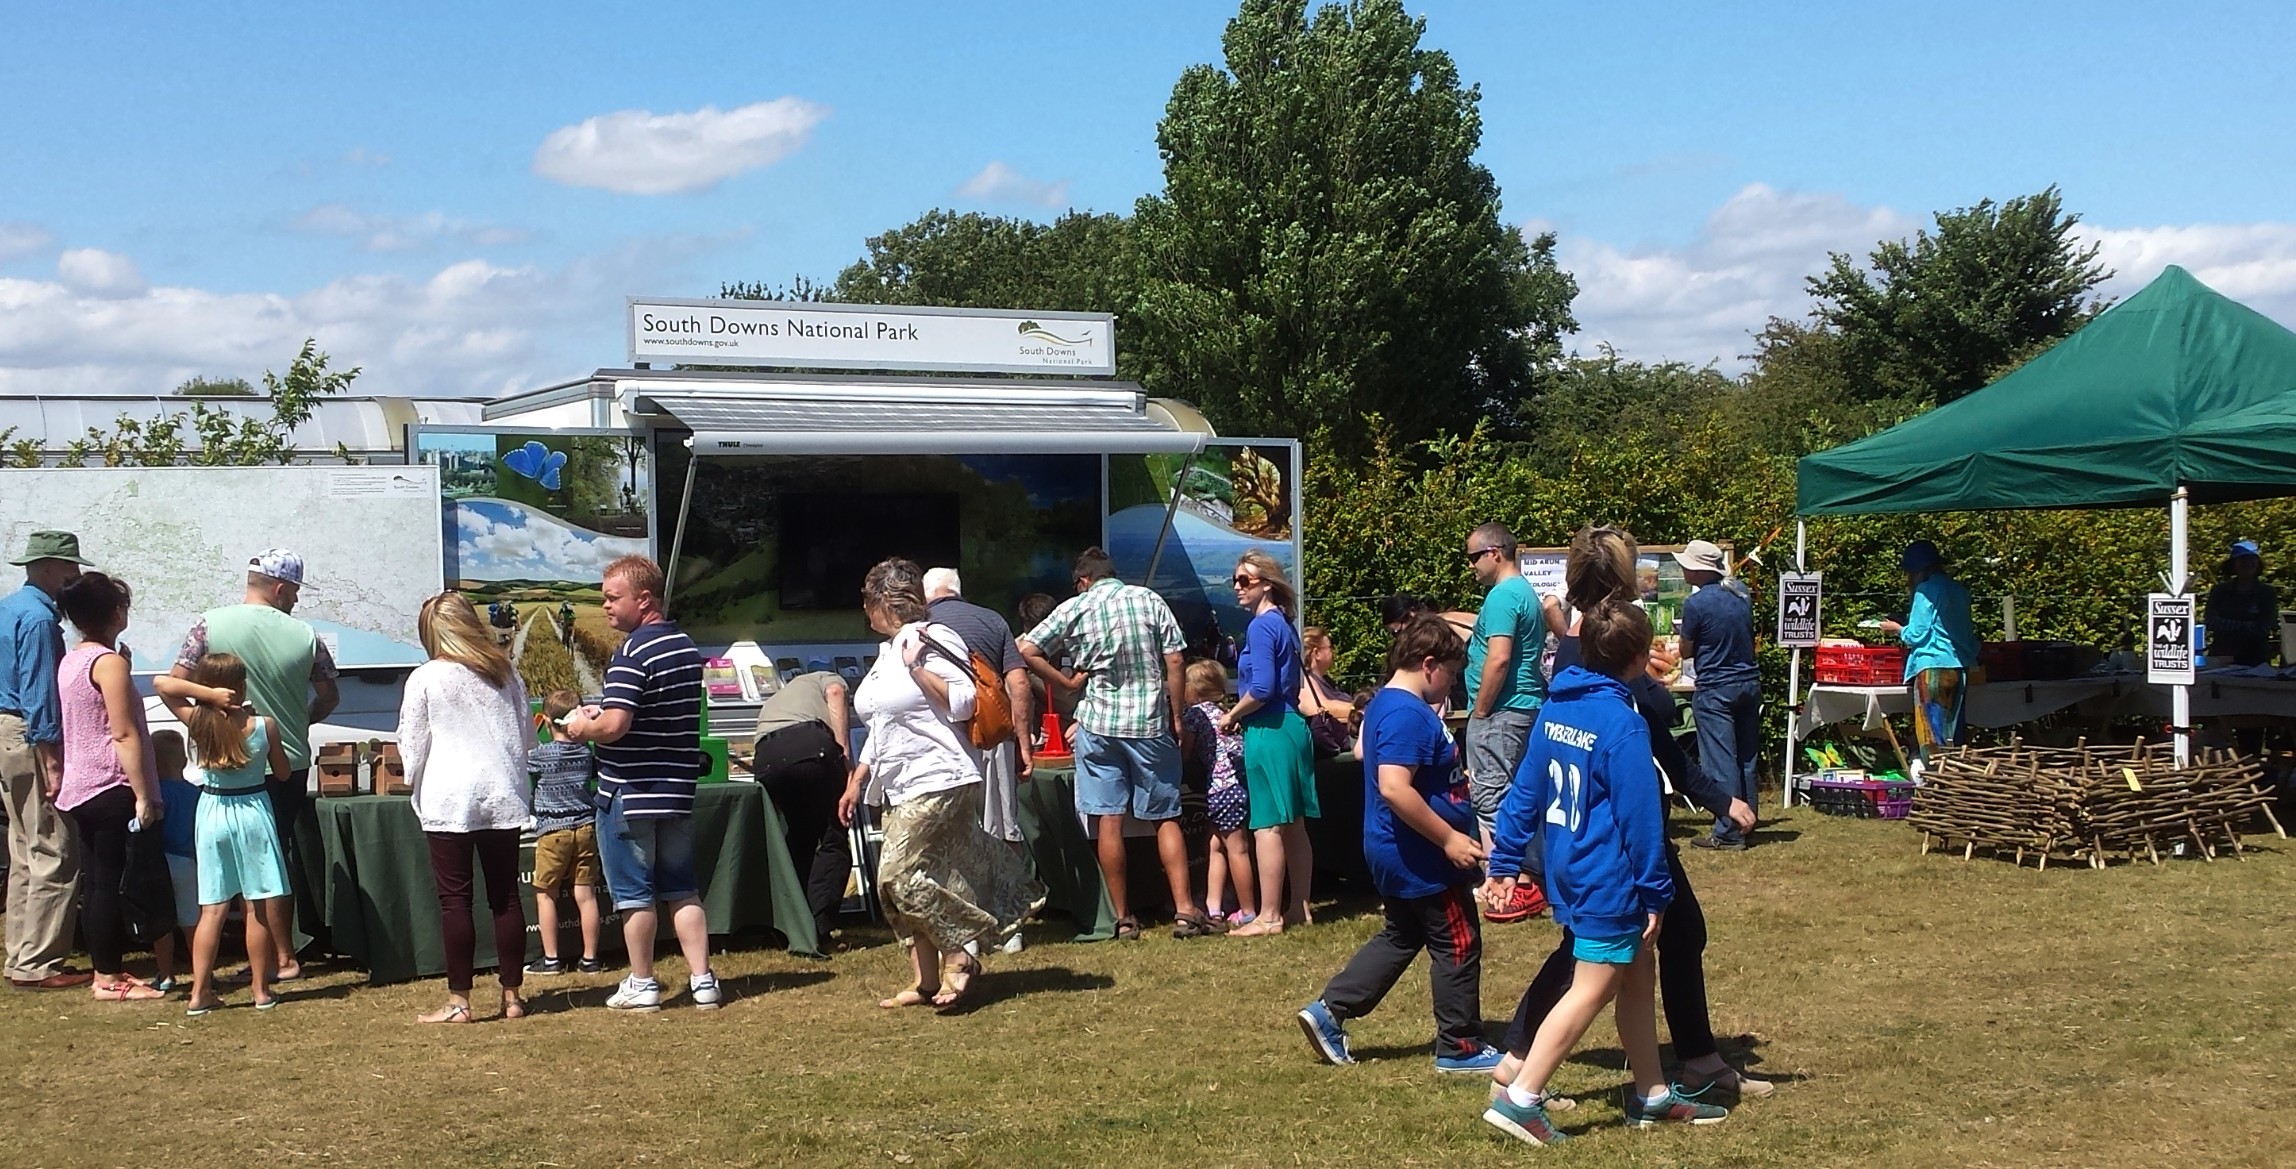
(1923, 1011)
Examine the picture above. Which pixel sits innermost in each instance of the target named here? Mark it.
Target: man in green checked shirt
(1123, 646)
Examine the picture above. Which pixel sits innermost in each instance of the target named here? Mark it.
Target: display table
(381, 905)
(1065, 860)
(2002, 704)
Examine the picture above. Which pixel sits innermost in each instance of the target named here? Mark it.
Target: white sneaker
(1013, 944)
(637, 995)
(704, 988)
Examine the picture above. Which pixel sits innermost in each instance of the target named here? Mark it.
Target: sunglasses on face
(1480, 553)
(1246, 582)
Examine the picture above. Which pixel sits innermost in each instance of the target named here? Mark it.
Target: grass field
(1918, 1011)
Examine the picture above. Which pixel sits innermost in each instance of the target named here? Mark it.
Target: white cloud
(23, 239)
(2253, 263)
(638, 152)
(96, 272)
(1705, 300)
(539, 548)
(470, 328)
(361, 156)
(998, 183)
(402, 233)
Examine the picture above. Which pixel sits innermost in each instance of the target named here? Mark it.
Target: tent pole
(2181, 705)
(1793, 680)
(678, 540)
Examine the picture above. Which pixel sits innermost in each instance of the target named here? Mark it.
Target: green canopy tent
(2175, 394)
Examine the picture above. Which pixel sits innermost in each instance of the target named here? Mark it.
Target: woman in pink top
(108, 774)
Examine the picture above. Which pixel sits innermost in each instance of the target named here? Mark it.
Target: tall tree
(1326, 246)
(1079, 262)
(1944, 313)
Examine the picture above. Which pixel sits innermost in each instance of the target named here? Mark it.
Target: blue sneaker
(1325, 1034)
(1524, 1123)
(1485, 1060)
(1675, 1109)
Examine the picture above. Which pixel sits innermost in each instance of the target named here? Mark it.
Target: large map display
(181, 538)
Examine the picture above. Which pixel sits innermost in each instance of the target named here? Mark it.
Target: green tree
(226, 438)
(1327, 247)
(210, 387)
(1080, 262)
(1944, 313)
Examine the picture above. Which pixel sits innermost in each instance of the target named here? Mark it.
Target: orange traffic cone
(1054, 746)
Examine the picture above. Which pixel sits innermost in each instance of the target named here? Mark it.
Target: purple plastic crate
(1865, 799)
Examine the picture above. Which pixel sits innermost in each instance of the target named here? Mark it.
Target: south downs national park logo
(1036, 332)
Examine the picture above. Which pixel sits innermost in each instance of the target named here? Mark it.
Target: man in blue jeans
(1717, 630)
(648, 733)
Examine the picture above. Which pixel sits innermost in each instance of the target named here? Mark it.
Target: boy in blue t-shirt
(1589, 785)
(1419, 838)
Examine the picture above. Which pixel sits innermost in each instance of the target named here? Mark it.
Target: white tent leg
(678, 540)
(2180, 715)
(1793, 683)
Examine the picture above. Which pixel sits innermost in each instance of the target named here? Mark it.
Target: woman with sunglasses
(1279, 754)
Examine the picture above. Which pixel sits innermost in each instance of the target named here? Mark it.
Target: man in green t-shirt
(1504, 687)
(290, 680)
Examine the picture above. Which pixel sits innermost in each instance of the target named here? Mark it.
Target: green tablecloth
(1065, 861)
(381, 905)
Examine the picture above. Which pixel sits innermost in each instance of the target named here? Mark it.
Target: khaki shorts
(567, 852)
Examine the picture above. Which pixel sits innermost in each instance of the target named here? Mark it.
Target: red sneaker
(1528, 901)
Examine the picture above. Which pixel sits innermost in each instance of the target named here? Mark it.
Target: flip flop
(193, 1012)
(267, 1004)
(910, 996)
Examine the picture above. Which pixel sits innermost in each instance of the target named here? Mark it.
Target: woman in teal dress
(1940, 647)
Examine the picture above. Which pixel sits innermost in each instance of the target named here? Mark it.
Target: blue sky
(457, 197)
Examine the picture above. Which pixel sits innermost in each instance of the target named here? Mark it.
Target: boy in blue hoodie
(1588, 780)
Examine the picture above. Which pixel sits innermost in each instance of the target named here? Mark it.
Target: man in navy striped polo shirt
(648, 732)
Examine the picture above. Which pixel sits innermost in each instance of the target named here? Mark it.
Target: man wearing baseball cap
(43, 864)
(1717, 632)
(2243, 614)
(290, 680)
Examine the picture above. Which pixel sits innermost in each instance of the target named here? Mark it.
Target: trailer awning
(776, 416)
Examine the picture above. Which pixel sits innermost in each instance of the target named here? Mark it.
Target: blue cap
(2242, 548)
(1919, 555)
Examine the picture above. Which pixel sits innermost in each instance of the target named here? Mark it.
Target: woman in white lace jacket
(943, 880)
(464, 734)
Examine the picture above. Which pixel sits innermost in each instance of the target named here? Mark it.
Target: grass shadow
(992, 987)
(748, 985)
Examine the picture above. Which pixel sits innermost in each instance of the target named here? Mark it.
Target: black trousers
(803, 770)
(1447, 927)
(103, 825)
(1681, 977)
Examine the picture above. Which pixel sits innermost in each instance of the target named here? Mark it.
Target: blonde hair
(640, 574)
(1600, 567)
(451, 631)
(1313, 638)
(218, 734)
(1207, 681)
(1279, 585)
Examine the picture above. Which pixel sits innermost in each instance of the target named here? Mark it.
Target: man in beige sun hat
(1717, 631)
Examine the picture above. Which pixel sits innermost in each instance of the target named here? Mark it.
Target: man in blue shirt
(43, 865)
(1717, 630)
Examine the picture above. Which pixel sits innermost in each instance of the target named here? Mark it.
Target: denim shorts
(1117, 775)
(1618, 951)
(647, 860)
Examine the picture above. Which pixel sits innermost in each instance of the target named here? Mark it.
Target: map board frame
(156, 563)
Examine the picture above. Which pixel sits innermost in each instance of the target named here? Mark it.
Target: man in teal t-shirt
(1504, 688)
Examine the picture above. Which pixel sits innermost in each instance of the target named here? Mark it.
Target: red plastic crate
(1861, 665)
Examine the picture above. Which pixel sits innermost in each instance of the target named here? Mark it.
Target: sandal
(513, 1007)
(125, 991)
(956, 979)
(1259, 928)
(914, 995)
(1193, 925)
(1127, 929)
(450, 1013)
